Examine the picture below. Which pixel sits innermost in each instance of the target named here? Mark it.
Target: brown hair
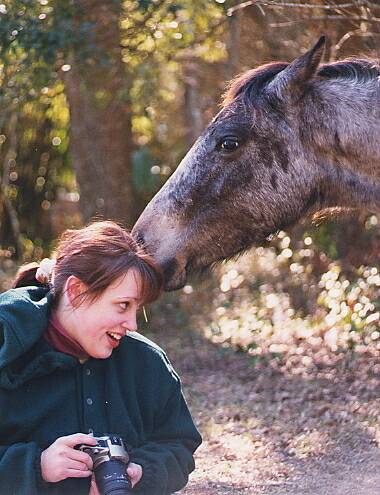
(98, 254)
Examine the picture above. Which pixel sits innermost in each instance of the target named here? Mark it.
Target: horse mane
(250, 84)
(359, 69)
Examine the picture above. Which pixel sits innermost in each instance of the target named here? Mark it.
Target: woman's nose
(130, 323)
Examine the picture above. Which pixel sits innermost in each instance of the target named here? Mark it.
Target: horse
(291, 139)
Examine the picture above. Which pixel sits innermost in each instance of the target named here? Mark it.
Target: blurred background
(100, 100)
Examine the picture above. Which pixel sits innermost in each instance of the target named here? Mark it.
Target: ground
(271, 427)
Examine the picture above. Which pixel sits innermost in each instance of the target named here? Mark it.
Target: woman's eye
(229, 143)
(124, 305)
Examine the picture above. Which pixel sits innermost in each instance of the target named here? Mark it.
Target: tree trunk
(192, 111)
(233, 45)
(100, 119)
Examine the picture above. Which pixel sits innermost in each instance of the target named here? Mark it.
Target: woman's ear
(75, 290)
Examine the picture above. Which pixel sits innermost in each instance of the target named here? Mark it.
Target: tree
(32, 127)
(100, 115)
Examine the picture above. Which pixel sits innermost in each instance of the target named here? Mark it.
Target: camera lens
(112, 479)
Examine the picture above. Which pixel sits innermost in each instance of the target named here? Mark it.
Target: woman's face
(100, 325)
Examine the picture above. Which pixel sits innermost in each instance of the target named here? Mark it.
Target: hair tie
(44, 273)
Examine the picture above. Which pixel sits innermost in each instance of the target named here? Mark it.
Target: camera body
(110, 458)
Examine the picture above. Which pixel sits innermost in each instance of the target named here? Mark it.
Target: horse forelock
(247, 86)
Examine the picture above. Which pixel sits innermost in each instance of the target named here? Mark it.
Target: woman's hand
(61, 460)
(134, 472)
(93, 489)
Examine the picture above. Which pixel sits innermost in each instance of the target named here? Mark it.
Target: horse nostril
(169, 268)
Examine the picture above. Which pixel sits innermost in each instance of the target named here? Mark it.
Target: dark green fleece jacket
(45, 394)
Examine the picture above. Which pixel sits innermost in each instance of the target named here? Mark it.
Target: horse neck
(346, 130)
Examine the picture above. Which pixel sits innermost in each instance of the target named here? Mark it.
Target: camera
(110, 459)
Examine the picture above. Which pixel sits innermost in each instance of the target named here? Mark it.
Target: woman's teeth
(115, 336)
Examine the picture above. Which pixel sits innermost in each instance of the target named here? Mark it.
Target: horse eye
(229, 144)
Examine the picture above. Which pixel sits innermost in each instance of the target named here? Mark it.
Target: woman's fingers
(77, 439)
(134, 472)
(78, 466)
(78, 455)
(77, 473)
(93, 489)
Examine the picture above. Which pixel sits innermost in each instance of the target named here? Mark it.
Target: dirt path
(280, 429)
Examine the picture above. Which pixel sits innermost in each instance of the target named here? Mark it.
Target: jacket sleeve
(167, 456)
(20, 473)
(20, 470)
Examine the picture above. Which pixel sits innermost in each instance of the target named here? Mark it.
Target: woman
(72, 366)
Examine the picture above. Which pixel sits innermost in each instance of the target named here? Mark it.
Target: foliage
(34, 154)
(164, 30)
(36, 39)
(158, 39)
(273, 298)
(37, 165)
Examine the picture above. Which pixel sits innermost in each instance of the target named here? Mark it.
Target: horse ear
(291, 80)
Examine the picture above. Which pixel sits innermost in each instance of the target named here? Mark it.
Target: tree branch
(269, 3)
(338, 17)
(357, 32)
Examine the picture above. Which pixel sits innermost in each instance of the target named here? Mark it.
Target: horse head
(288, 141)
